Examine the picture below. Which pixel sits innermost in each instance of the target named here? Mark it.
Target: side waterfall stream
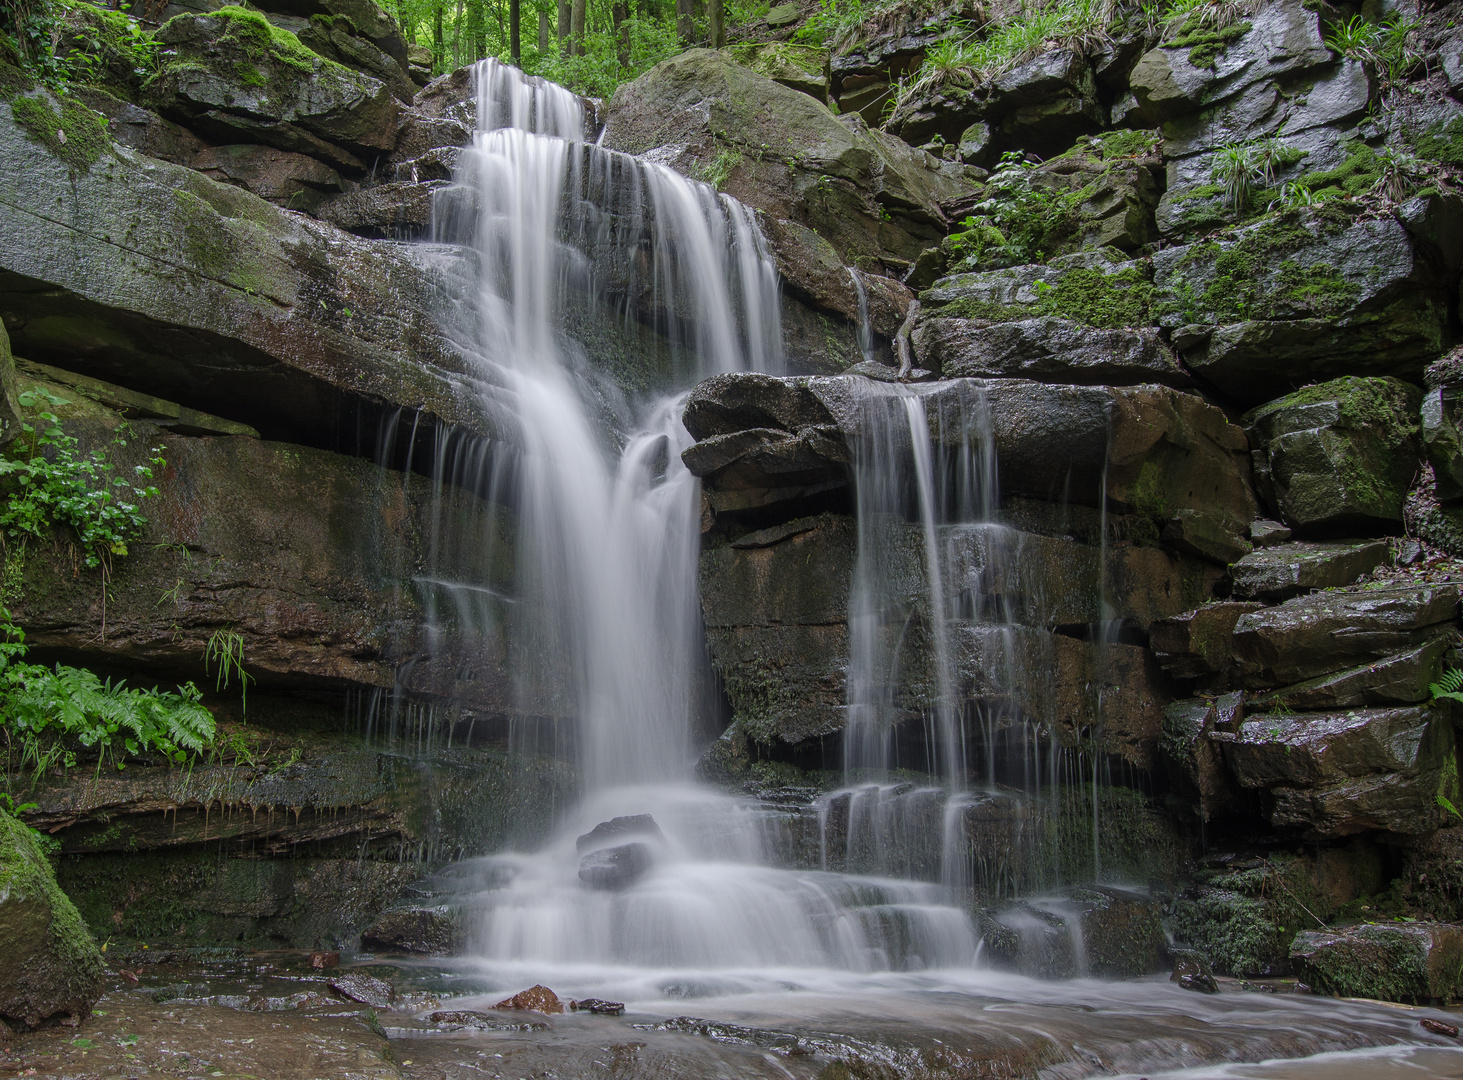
(880, 941)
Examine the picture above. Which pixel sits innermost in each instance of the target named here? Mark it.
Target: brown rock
(534, 999)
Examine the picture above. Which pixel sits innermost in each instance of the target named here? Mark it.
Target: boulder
(534, 999)
(1338, 456)
(1315, 749)
(1099, 931)
(1196, 758)
(367, 19)
(424, 931)
(617, 829)
(139, 129)
(1305, 295)
(1192, 972)
(785, 154)
(216, 298)
(614, 869)
(52, 969)
(1198, 644)
(233, 63)
(366, 989)
(390, 211)
(1285, 570)
(1329, 631)
(1416, 962)
(334, 37)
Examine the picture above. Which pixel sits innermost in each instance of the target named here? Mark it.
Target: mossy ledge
(74, 134)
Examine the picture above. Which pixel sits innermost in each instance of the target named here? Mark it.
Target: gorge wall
(1206, 326)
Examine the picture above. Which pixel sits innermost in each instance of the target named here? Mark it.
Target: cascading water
(607, 546)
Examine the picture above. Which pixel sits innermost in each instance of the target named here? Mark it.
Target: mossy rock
(49, 964)
(1411, 962)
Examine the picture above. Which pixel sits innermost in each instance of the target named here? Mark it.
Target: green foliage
(226, 649)
(28, 31)
(1017, 222)
(101, 42)
(1207, 38)
(835, 22)
(1241, 167)
(48, 482)
(1449, 687)
(1385, 46)
(49, 716)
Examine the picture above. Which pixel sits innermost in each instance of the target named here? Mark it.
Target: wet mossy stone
(65, 127)
(49, 965)
(1340, 455)
(233, 62)
(1420, 963)
(1304, 295)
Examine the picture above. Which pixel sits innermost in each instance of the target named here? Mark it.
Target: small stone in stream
(1437, 1027)
(598, 1005)
(322, 960)
(1191, 971)
(130, 976)
(483, 1022)
(607, 832)
(364, 988)
(535, 998)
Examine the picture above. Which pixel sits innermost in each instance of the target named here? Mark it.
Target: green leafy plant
(47, 482)
(833, 23)
(1243, 167)
(1449, 686)
(1385, 47)
(1402, 172)
(226, 649)
(50, 716)
(1018, 221)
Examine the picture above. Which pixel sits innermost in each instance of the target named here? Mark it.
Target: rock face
(52, 967)
(217, 298)
(1416, 962)
(785, 154)
(231, 73)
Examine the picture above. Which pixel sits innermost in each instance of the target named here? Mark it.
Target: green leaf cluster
(47, 481)
(1019, 221)
(49, 716)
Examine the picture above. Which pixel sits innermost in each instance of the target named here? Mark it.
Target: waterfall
(572, 244)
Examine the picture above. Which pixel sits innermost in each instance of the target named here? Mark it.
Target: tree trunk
(515, 37)
(620, 12)
(564, 27)
(438, 56)
(576, 28)
(685, 24)
(543, 32)
(716, 12)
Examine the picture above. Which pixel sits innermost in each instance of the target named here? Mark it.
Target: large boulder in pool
(49, 965)
(1420, 962)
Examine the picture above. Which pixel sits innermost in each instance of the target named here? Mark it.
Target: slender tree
(564, 27)
(515, 40)
(543, 32)
(716, 16)
(576, 27)
(685, 23)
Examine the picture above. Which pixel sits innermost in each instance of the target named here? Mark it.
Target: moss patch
(1205, 44)
(1106, 301)
(75, 134)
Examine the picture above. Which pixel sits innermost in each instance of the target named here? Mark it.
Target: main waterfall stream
(875, 953)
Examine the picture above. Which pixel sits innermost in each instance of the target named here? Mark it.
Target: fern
(1449, 686)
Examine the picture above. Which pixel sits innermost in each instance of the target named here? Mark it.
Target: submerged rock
(1191, 971)
(367, 989)
(1418, 962)
(49, 965)
(613, 869)
(606, 832)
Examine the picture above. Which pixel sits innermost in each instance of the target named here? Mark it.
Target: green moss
(1443, 143)
(248, 75)
(1205, 44)
(1382, 406)
(25, 872)
(1356, 175)
(13, 81)
(985, 310)
(76, 135)
(1106, 301)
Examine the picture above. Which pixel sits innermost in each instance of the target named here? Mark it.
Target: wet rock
(319, 961)
(1191, 971)
(1326, 632)
(1341, 454)
(366, 19)
(803, 68)
(334, 37)
(534, 999)
(462, 1018)
(1300, 297)
(614, 869)
(50, 968)
(1217, 537)
(138, 129)
(1109, 933)
(220, 300)
(1046, 349)
(1285, 570)
(1312, 749)
(867, 193)
(598, 1006)
(1401, 679)
(1441, 440)
(1264, 533)
(236, 63)
(293, 181)
(391, 211)
(812, 271)
(617, 828)
(367, 989)
(1418, 962)
(1195, 757)
(434, 931)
